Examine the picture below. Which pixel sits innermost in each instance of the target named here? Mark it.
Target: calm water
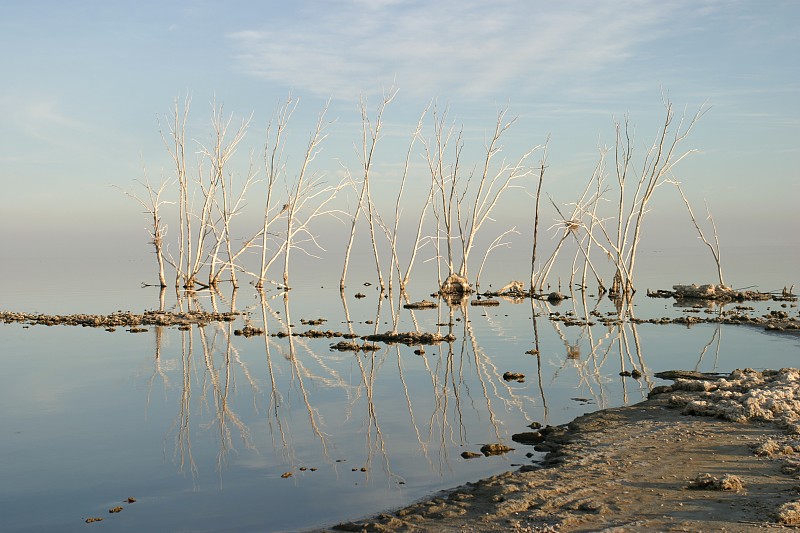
(202, 426)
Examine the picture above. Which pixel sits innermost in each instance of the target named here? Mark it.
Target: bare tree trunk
(542, 167)
(175, 143)
(370, 134)
(496, 243)
(300, 192)
(444, 181)
(491, 186)
(393, 237)
(713, 247)
(274, 167)
(158, 230)
(659, 163)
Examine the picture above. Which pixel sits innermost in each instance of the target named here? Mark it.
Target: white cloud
(39, 117)
(467, 48)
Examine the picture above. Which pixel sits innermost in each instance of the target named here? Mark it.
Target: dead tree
(275, 168)
(444, 179)
(158, 230)
(537, 198)
(308, 199)
(219, 153)
(659, 161)
(370, 134)
(715, 252)
(175, 143)
(493, 182)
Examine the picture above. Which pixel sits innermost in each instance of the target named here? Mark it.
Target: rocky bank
(708, 453)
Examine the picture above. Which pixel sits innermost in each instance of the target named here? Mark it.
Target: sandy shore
(705, 454)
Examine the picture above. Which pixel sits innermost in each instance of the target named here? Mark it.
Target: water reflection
(399, 413)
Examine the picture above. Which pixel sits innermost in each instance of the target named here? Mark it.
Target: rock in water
(455, 284)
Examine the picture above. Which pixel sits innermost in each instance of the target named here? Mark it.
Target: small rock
(592, 507)
(528, 437)
(424, 304)
(486, 303)
(788, 513)
(495, 449)
(455, 284)
(248, 331)
(706, 481)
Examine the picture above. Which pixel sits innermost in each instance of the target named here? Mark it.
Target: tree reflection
(411, 402)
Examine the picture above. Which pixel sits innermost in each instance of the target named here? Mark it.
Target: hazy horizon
(90, 84)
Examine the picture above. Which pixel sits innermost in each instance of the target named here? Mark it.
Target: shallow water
(203, 426)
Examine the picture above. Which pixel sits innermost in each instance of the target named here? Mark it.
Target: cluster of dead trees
(208, 192)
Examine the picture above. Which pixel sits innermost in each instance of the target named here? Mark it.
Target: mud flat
(708, 453)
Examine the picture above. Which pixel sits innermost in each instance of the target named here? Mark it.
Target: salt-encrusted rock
(495, 449)
(770, 396)
(514, 288)
(788, 513)
(708, 482)
(423, 304)
(456, 284)
(410, 338)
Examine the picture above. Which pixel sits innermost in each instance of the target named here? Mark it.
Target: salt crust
(769, 396)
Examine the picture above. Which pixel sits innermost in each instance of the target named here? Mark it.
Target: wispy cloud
(456, 47)
(39, 117)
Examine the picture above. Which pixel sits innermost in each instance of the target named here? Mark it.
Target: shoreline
(706, 453)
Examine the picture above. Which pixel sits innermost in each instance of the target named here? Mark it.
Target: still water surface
(203, 427)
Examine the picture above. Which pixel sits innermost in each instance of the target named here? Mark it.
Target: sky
(86, 86)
